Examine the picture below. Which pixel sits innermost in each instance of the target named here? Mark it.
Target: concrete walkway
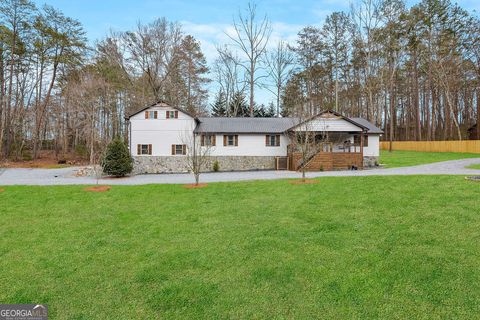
(66, 176)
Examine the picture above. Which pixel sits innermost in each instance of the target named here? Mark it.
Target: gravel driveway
(66, 176)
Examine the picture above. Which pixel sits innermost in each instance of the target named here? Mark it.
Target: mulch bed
(195, 186)
(306, 181)
(98, 188)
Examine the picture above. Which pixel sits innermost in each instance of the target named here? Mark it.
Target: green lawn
(412, 158)
(474, 166)
(347, 247)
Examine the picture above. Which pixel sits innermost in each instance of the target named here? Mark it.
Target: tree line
(413, 71)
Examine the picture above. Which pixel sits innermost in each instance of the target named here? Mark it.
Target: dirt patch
(306, 181)
(2, 190)
(195, 186)
(47, 160)
(98, 188)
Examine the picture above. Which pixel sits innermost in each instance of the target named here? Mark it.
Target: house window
(230, 140)
(208, 140)
(179, 149)
(172, 114)
(144, 149)
(151, 114)
(272, 140)
(356, 140)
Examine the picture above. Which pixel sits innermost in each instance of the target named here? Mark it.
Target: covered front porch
(328, 151)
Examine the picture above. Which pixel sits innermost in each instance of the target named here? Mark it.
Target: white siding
(373, 149)
(329, 124)
(249, 145)
(161, 133)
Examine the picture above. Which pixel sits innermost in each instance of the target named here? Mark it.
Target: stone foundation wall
(164, 164)
(176, 164)
(369, 161)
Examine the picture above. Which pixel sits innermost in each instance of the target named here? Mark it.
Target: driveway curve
(66, 176)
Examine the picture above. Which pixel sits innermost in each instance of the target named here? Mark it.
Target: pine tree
(219, 107)
(194, 69)
(258, 110)
(117, 161)
(238, 106)
(270, 112)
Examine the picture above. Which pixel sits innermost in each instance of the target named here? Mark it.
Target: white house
(159, 135)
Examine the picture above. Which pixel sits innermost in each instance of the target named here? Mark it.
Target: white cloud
(212, 35)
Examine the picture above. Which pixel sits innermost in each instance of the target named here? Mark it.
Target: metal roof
(254, 125)
(160, 103)
(260, 125)
(370, 126)
(244, 125)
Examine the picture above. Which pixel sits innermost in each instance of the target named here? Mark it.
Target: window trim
(151, 114)
(211, 138)
(140, 149)
(226, 138)
(268, 140)
(171, 114)
(183, 148)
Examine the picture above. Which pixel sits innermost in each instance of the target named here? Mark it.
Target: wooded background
(413, 71)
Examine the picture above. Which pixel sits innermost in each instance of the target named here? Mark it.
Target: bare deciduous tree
(227, 74)
(279, 63)
(251, 38)
(198, 147)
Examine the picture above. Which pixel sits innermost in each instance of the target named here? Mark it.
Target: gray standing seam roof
(371, 127)
(244, 125)
(259, 125)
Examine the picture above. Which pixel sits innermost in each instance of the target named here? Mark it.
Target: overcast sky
(206, 20)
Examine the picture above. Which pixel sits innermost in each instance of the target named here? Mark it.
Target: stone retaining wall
(176, 164)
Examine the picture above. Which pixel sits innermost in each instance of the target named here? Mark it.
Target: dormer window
(172, 114)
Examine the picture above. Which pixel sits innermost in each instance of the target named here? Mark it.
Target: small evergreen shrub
(216, 166)
(117, 160)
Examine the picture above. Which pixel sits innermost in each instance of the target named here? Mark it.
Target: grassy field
(412, 158)
(362, 247)
(474, 166)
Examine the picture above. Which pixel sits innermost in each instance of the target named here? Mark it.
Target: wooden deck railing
(469, 146)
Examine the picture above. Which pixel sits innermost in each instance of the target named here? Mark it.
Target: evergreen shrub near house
(117, 160)
(216, 166)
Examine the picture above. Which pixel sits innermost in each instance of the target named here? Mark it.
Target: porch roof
(372, 129)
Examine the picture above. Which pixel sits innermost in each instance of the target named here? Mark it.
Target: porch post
(361, 143)
(361, 150)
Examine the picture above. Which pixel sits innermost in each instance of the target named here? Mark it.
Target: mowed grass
(360, 247)
(412, 158)
(474, 166)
